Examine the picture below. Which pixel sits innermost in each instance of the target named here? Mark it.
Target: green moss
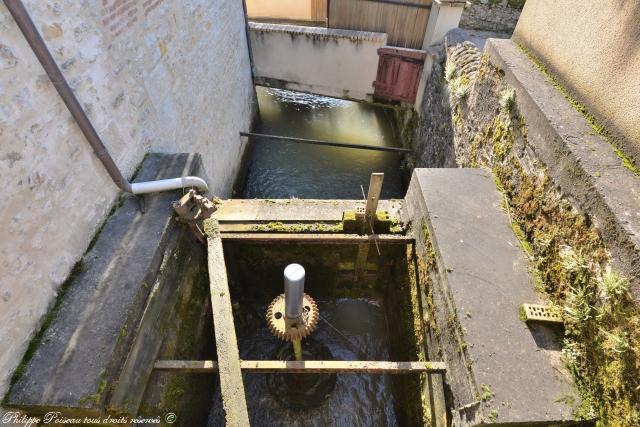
(516, 4)
(571, 267)
(47, 320)
(280, 227)
(349, 216)
(493, 416)
(597, 127)
(138, 168)
(95, 398)
(117, 205)
(487, 394)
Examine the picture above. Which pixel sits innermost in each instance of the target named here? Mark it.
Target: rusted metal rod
(327, 143)
(304, 367)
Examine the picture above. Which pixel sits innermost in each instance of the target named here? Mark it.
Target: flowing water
(356, 399)
(287, 169)
(351, 329)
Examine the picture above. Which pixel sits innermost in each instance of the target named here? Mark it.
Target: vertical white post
(444, 16)
(293, 290)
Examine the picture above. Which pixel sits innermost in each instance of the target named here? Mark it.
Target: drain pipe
(31, 34)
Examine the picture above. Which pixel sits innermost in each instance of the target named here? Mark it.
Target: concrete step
(499, 369)
(96, 351)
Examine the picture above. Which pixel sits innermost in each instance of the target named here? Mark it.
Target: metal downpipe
(31, 34)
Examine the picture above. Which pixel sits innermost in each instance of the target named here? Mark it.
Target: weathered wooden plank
(233, 397)
(334, 239)
(305, 366)
(404, 24)
(293, 210)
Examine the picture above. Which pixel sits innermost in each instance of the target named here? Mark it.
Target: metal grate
(540, 313)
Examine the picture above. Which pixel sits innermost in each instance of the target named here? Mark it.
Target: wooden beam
(233, 397)
(335, 239)
(305, 367)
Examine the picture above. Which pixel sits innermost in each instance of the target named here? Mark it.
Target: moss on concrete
(568, 258)
(46, 321)
(595, 124)
(298, 227)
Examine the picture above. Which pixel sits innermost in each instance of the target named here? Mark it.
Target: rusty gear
(292, 329)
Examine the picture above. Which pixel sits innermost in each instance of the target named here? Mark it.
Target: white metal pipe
(169, 184)
(293, 290)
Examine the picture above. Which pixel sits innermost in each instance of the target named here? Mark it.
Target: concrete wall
(153, 75)
(593, 47)
(293, 10)
(340, 63)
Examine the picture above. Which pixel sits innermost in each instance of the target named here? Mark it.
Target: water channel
(282, 170)
(354, 327)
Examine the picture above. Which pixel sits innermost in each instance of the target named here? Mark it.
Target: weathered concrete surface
(339, 63)
(600, 67)
(581, 163)
(498, 369)
(163, 76)
(76, 365)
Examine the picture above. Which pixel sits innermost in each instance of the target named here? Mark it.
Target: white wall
(159, 75)
(593, 48)
(340, 63)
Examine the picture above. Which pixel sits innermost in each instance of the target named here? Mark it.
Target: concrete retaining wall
(159, 75)
(340, 63)
(600, 67)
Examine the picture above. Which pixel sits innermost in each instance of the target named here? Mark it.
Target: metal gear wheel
(292, 329)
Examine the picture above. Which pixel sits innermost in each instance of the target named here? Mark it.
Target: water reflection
(286, 169)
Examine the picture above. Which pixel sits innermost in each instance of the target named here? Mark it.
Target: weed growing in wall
(570, 263)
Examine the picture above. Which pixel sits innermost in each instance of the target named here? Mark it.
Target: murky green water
(287, 169)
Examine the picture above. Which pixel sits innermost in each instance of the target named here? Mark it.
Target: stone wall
(153, 75)
(492, 15)
(570, 201)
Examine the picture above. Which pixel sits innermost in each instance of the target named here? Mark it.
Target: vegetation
(597, 127)
(570, 263)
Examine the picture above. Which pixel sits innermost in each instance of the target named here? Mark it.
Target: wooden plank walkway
(233, 397)
(305, 366)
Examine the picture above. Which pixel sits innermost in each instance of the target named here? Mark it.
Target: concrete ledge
(97, 352)
(324, 61)
(473, 277)
(580, 162)
(319, 32)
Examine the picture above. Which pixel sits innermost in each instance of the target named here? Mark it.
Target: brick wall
(153, 75)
